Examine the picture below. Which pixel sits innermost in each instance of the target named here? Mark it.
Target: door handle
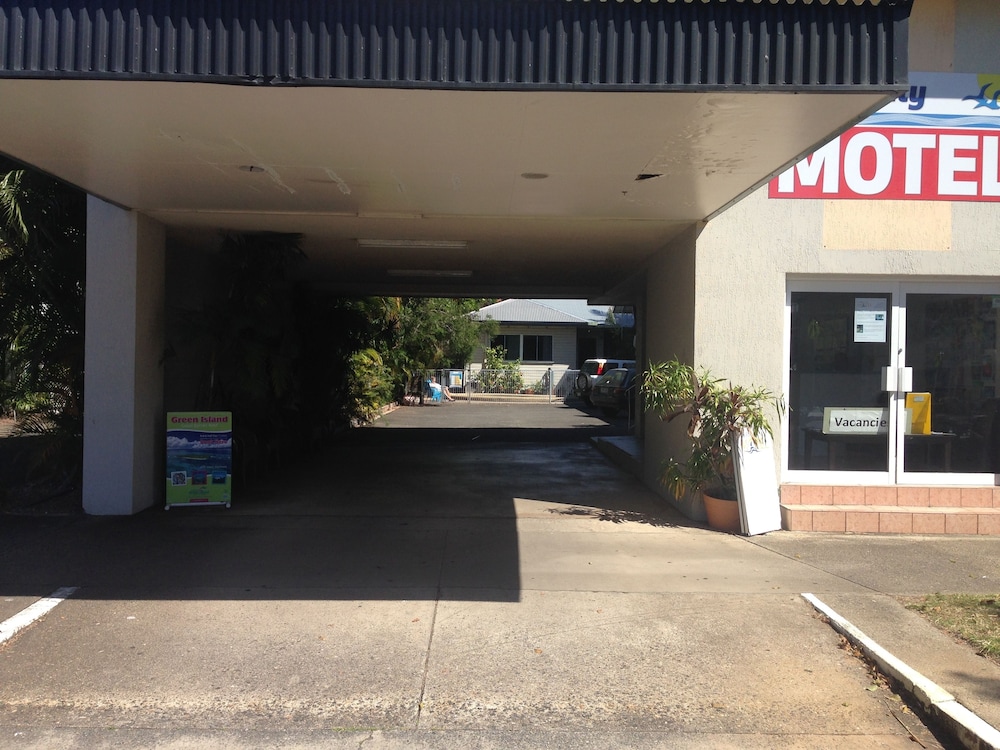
(890, 378)
(898, 379)
(905, 380)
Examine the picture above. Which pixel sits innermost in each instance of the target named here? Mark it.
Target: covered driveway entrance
(492, 148)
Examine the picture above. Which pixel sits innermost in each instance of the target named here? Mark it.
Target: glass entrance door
(839, 413)
(950, 425)
(894, 383)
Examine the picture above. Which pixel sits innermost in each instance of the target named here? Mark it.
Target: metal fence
(514, 386)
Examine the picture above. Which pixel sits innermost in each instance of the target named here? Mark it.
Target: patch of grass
(975, 618)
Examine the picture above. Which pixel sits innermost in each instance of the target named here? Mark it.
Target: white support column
(123, 386)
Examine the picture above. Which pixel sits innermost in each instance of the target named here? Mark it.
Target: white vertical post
(123, 386)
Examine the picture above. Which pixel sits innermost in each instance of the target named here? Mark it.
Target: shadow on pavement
(408, 513)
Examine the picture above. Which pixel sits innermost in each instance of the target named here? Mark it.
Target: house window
(537, 348)
(511, 345)
(526, 348)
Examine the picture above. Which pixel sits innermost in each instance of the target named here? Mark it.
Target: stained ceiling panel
(542, 188)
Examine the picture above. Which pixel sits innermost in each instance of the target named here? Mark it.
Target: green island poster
(199, 458)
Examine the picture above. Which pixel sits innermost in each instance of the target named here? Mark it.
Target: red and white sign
(944, 147)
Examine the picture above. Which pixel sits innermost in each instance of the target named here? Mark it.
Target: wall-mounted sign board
(937, 142)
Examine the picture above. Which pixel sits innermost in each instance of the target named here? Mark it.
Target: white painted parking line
(14, 625)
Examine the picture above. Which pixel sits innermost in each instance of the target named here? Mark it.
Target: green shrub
(369, 385)
(498, 374)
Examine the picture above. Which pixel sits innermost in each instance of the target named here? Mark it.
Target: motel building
(796, 194)
(882, 245)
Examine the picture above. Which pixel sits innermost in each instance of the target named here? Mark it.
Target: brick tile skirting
(862, 509)
(890, 519)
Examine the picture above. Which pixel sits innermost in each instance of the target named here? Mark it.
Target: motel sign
(939, 142)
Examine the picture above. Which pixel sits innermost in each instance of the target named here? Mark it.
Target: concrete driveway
(487, 587)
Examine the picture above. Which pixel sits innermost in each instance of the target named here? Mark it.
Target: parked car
(591, 370)
(614, 391)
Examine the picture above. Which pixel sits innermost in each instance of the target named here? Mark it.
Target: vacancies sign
(938, 142)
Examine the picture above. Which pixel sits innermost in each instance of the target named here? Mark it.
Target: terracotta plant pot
(723, 515)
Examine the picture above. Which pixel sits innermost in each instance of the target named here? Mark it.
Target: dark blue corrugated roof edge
(790, 45)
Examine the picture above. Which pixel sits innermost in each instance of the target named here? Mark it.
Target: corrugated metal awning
(493, 44)
(545, 312)
(772, 2)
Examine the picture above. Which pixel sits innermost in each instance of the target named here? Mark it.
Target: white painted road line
(14, 625)
(970, 730)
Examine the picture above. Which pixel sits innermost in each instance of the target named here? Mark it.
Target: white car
(592, 369)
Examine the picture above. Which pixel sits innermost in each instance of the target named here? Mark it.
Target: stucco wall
(746, 257)
(669, 333)
(932, 35)
(974, 50)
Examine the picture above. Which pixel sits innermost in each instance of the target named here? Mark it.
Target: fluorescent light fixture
(388, 215)
(418, 244)
(428, 273)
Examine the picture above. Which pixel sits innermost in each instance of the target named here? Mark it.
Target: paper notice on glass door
(870, 319)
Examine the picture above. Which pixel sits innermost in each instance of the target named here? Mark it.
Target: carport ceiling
(501, 193)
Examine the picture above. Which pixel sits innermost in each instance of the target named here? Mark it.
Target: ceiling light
(389, 215)
(428, 273)
(425, 244)
(534, 175)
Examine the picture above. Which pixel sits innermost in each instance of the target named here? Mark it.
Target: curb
(971, 731)
(612, 449)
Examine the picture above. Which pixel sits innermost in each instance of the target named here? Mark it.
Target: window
(511, 346)
(896, 378)
(537, 348)
(527, 348)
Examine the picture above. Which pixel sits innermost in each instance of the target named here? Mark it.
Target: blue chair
(434, 394)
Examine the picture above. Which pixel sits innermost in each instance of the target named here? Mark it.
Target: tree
(347, 349)
(252, 345)
(42, 270)
(293, 363)
(251, 326)
(438, 332)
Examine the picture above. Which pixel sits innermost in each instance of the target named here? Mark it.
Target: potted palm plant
(716, 411)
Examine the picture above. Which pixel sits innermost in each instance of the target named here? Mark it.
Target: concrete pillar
(123, 434)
